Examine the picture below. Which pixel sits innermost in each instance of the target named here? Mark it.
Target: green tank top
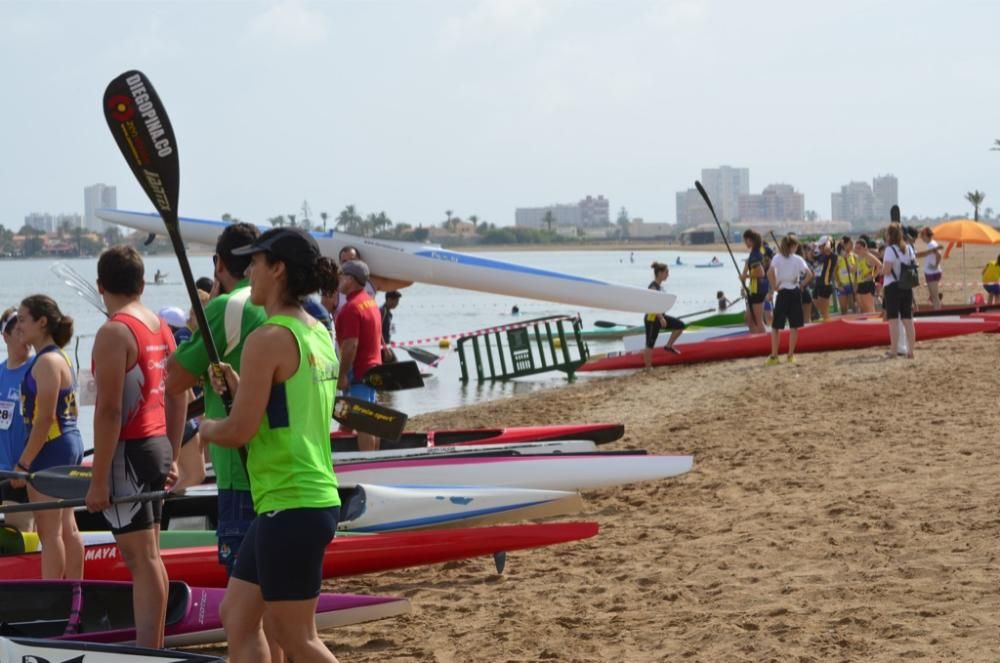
(289, 459)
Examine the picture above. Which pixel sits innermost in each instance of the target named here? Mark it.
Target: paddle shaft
(736, 266)
(80, 501)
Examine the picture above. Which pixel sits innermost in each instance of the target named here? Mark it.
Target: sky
(415, 107)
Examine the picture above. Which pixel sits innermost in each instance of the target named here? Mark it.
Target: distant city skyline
(483, 106)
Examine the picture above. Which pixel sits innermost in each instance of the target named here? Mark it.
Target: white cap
(173, 316)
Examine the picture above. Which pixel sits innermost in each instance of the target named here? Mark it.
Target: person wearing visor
(13, 434)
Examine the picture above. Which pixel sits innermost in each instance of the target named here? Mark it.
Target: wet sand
(841, 509)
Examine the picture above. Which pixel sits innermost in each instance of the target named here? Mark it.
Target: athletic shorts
(67, 449)
(931, 278)
(807, 297)
(898, 303)
(845, 290)
(235, 515)
(139, 466)
(190, 430)
(788, 307)
(16, 495)
(757, 297)
(866, 288)
(992, 288)
(823, 291)
(653, 328)
(283, 552)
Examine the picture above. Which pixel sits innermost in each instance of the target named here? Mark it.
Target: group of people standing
(268, 439)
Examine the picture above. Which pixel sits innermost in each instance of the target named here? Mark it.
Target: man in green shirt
(231, 317)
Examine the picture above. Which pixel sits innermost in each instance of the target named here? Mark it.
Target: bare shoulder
(269, 339)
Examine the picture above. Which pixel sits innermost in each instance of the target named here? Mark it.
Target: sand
(842, 509)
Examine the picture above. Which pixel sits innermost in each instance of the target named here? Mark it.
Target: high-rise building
(885, 188)
(95, 197)
(724, 186)
(778, 202)
(855, 204)
(691, 209)
(40, 221)
(591, 212)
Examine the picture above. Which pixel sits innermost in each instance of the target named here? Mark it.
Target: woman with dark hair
(869, 266)
(13, 434)
(898, 301)
(790, 274)
(826, 262)
(754, 277)
(283, 399)
(932, 266)
(654, 322)
(48, 403)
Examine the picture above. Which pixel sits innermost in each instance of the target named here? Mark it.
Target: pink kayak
(837, 334)
(101, 611)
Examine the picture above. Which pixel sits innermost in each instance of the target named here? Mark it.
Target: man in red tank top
(137, 431)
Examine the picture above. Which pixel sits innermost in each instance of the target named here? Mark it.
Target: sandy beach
(841, 509)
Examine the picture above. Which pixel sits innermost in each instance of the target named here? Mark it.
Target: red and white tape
(479, 332)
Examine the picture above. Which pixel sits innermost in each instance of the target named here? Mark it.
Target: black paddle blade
(142, 130)
(371, 418)
(894, 214)
(423, 356)
(704, 195)
(607, 324)
(394, 377)
(65, 482)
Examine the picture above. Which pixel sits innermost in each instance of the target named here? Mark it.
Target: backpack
(908, 277)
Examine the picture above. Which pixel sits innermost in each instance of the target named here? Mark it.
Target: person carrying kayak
(654, 322)
(282, 403)
(137, 432)
(790, 275)
(755, 276)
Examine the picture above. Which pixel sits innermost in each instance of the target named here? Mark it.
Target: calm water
(424, 310)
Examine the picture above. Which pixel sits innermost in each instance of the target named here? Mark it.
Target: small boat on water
(709, 264)
(101, 611)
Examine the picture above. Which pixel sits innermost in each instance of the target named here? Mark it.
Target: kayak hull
(35, 649)
(345, 556)
(597, 433)
(837, 334)
(410, 261)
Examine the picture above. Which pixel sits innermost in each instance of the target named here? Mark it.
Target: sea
(425, 311)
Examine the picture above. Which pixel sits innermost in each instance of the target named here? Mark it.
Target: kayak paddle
(63, 481)
(394, 376)
(424, 356)
(80, 501)
(371, 418)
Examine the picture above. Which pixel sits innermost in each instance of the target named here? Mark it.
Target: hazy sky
(479, 106)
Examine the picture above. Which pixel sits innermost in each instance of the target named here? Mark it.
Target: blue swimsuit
(63, 444)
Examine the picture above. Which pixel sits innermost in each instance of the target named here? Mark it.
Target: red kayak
(597, 433)
(837, 334)
(348, 555)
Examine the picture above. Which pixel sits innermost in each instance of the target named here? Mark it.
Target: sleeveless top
(289, 459)
(13, 434)
(66, 407)
(143, 415)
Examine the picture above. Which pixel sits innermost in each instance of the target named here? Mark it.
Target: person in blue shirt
(13, 434)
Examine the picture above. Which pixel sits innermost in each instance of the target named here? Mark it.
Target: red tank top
(142, 393)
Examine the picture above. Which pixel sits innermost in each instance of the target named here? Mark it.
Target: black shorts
(823, 291)
(17, 495)
(757, 297)
(190, 430)
(788, 306)
(653, 328)
(283, 552)
(866, 288)
(139, 466)
(807, 297)
(898, 303)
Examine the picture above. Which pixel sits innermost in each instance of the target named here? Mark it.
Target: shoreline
(602, 246)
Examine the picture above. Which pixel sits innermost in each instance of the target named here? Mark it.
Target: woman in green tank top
(283, 399)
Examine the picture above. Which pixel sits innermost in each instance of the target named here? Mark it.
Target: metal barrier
(533, 346)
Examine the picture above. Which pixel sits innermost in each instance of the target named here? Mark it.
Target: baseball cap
(356, 268)
(173, 316)
(288, 244)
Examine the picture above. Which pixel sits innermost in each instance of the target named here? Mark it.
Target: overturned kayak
(345, 556)
(837, 334)
(410, 261)
(101, 611)
(36, 650)
(597, 433)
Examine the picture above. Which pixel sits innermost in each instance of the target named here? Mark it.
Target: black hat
(393, 294)
(288, 244)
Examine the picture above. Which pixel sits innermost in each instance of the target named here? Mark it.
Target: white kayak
(560, 472)
(371, 508)
(410, 261)
(525, 448)
(30, 650)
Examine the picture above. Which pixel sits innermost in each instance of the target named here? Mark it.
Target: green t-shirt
(231, 317)
(289, 460)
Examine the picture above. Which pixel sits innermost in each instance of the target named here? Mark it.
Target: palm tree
(976, 199)
(996, 145)
(549, 219)
(350, 221)
(447, 214)
(291, 220)
(324, 216)
(277, 221)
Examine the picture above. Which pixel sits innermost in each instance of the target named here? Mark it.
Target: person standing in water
(654, 322)
(790, 275)
(49, 407)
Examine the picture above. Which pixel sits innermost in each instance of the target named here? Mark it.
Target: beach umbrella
(964, 231)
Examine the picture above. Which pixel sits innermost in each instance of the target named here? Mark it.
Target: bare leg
(73, 546)
(673, 337)
(295, 627)
(793, 336)
(50, 536)
(774, 342)
(932, 292)
(647, 358)
(367, 442)
(823, 304)
(911, 336)
(242, 611)
(271, 636)
(893, 336)
(807, 312)
(190, 464)
(141, 552)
